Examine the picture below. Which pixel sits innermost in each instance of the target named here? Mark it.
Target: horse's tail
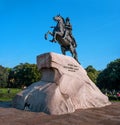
(75, 44)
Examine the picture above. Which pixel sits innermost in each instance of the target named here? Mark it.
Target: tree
(3, 76)
(109, 78)
(23, 75)
(92, 73)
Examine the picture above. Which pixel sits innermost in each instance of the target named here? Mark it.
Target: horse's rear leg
(63, 50)
(75, 57)
(74, 53)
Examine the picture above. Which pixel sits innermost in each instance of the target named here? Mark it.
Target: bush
(114, 98)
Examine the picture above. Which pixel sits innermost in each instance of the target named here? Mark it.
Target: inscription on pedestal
(71, 67)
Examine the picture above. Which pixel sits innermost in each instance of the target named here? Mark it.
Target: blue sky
(23, 23)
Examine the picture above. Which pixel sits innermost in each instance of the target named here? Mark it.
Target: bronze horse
(65, 41)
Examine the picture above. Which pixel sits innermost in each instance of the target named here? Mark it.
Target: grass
(5, 96)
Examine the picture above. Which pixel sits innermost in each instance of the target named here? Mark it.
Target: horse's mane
(63, 20)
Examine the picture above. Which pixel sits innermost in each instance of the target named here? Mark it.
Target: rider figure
(68, 31)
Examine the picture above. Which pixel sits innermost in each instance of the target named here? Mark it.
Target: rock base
(64, 87)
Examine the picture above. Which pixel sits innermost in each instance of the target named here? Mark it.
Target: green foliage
(114, 98)
(92, 73)
(3, 76)
(23, 75)
(109, 78)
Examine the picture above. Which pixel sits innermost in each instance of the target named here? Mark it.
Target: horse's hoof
(51, 41)
(45, 37)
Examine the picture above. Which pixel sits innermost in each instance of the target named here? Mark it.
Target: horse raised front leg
(54, 36)
(57, 33)
(46, 35)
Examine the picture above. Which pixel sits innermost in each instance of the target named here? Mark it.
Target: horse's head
(58, 18)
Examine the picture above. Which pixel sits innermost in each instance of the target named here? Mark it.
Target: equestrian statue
(62, 33)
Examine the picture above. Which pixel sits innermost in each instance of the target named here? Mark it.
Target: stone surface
(64, 87)
(108, 115)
